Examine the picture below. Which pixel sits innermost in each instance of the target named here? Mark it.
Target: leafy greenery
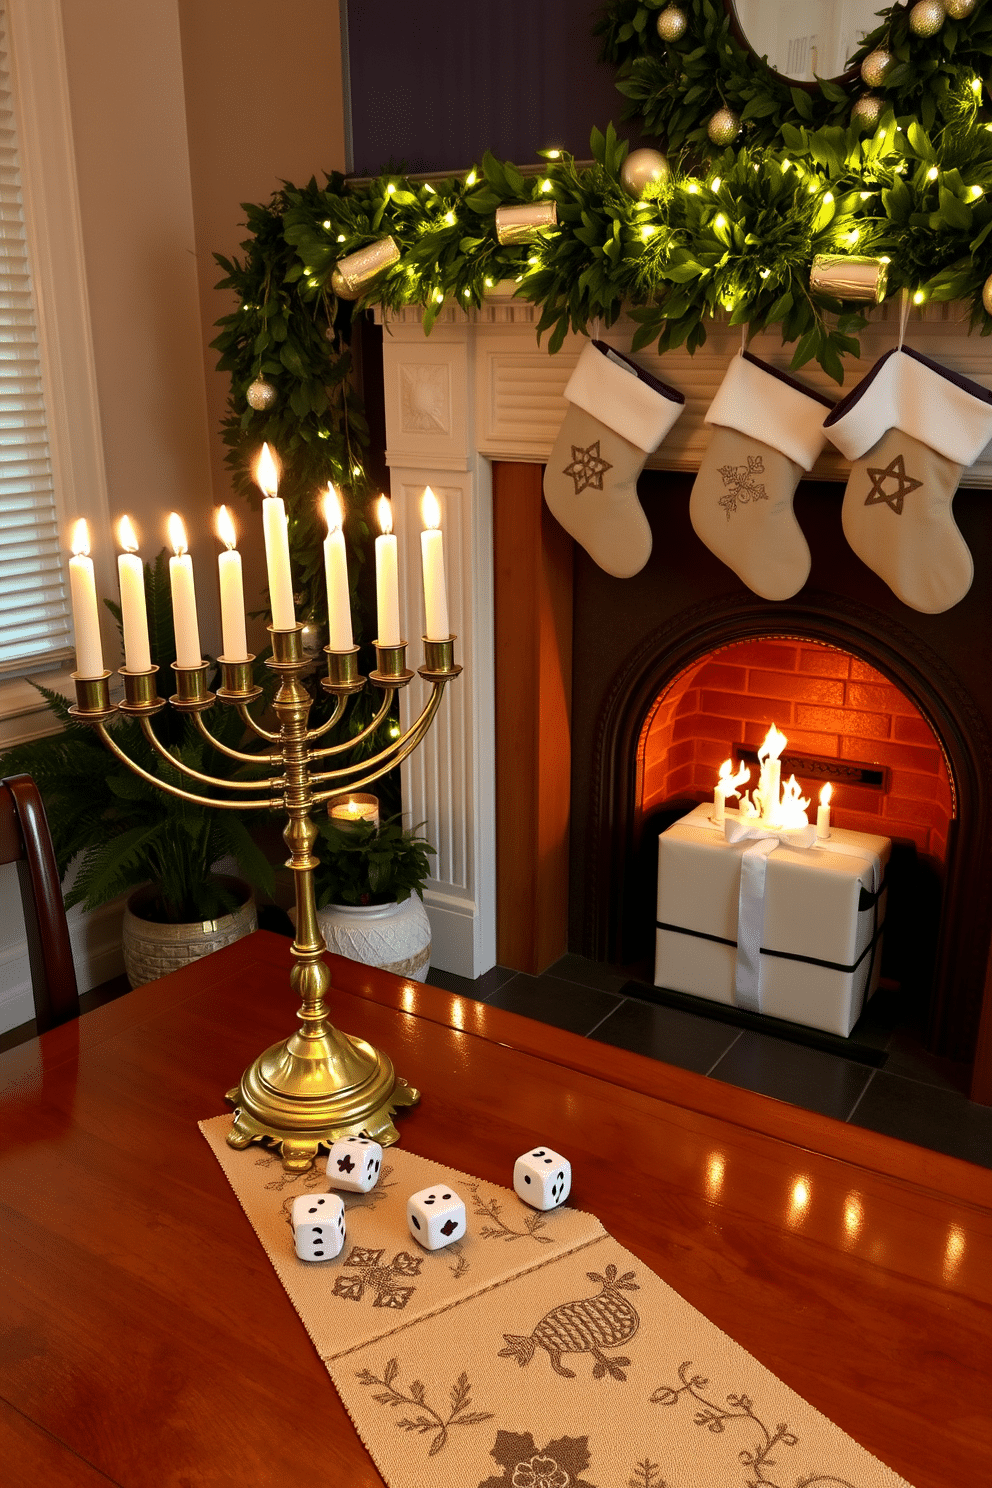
(123, 830)
(363, 864)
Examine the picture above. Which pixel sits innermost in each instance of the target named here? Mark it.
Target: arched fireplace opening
(713, 662)
(846, 724)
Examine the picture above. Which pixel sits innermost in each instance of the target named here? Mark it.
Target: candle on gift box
(85, 611)
(234, 638)
(134, 612)
(720, 792)
(275, 527)
(770, 781)
(823, 812)
(387, 593)
(340, 636)
(432, 553)
(183, 596)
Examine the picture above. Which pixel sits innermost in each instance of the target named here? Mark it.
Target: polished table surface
(145, 1340)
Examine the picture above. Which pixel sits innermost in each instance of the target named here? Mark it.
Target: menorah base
(305, 1093)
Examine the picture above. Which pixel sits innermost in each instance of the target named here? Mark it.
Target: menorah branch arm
(325, 728)
(235, 785)
(319, 754)
(235, 754)
(175, 790)
(391, 753)
(256, 728)
(387, 759)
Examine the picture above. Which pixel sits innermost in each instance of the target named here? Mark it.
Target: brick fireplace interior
(649, 683)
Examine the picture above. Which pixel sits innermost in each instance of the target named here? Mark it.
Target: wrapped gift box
(824, 909)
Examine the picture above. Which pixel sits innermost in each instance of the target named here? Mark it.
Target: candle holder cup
(319, 1084)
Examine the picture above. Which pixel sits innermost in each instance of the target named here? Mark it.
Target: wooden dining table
(145, 1339)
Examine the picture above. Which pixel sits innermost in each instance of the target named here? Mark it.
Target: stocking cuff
(909, 392)
(769, 405)
(631, 402)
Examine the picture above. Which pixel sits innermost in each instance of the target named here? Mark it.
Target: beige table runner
(535, 1353)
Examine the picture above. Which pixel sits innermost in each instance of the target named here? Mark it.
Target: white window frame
(53, 223)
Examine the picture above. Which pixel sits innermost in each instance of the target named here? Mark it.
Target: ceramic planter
(393, 937)
(151, 949)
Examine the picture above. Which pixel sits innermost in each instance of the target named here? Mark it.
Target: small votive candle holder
(353, 809)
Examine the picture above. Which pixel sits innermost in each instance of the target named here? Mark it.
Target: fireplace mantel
(480, 388)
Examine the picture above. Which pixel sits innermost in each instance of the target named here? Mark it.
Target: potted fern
(115, 833)
(369, 889)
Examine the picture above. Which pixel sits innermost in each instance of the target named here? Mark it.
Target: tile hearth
(913, 1095)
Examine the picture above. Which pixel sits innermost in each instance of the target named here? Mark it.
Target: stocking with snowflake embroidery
(769, 431)
(910, 427)
(617, 414)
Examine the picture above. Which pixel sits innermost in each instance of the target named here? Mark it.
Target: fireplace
(599, 653)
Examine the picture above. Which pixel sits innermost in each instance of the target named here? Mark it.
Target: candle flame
(773, 744)
(267, 472)
(333, 515)
(431, 509)
(225, 529)
(80, 540)
(177, 534)
(385, 514)
(729, 783)
(826, 793)
(126, 535)
(794, 805)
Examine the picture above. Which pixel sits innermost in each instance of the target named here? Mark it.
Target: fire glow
(768, 803)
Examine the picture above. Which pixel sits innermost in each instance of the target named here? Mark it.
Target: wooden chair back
(25, 839)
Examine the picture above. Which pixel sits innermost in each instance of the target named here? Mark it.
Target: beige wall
(181, 111)
(263, 105)
(129, 125)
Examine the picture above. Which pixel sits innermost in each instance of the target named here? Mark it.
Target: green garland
(733, 238)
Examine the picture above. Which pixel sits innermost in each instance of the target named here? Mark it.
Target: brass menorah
(319, 1084)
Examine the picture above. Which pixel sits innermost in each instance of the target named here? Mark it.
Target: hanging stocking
(769, 430)
(897, 506)
(617, 415)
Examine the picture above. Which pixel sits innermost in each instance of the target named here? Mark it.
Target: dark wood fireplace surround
(599, 651)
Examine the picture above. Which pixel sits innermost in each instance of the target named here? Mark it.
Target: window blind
(35, 620)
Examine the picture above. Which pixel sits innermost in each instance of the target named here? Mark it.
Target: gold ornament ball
(875, 66)
(261, 395)
(643, 168)
(868, 108)
(724, 127)
(987, 295)
(959, 10)
(927, 17)
(671, 23)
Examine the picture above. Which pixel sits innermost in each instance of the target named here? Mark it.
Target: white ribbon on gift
(762, 842)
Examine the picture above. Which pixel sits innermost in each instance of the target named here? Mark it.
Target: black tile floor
(914, 1095)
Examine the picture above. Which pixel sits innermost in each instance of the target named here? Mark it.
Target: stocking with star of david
(617, 414)
(909, 428)
(768, 431)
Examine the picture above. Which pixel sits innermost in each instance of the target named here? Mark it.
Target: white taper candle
(234, 638)
(134, 612)
(387, 592)
(275, 526)
(85, 611)
(183, 596)
(340, 635)
(432, 553)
